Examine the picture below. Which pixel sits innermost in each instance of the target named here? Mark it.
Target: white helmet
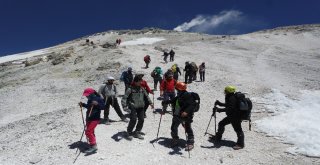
(110, 78)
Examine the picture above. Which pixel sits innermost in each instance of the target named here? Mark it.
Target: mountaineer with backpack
(147, 60)
(189, 72)
(94, 106)
(109, 93)
(184, 105)
(202, 69)
(194, 71)
(127, 78)
(176, 71)
(156, 74)
(134, 99)
(167, 90)
(144, 85)
(233, 117)
(171, 53)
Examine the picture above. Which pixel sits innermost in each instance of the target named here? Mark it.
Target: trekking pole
(208, 126)
(185, 131)
(159, 127)
(215, 120)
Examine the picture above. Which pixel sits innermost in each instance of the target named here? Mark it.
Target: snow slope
(41, 122)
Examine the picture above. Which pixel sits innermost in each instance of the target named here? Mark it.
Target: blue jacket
(96, 109)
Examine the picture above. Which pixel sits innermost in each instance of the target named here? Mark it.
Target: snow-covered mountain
(41, 123)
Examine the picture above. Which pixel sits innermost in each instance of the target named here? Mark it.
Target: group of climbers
(136, 101)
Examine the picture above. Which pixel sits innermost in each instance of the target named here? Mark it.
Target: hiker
(127, 78)
(171, 53)
(176, 71)
(94, 107)
(119, 41)
(165, 56)
(156, 74)
(202, 69)
(183, 110)
(134, 100)
(167, 90)
(233, 117)
(147, 60)
(109, 94)
(168, 72)
(144, 85)
(194, 70)
(188, 75)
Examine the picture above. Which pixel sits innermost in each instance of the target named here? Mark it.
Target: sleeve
(147, 87)
(178, 70)
(115, 91)
(125, 97)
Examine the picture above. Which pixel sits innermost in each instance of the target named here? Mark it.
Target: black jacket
(231, 106)
(185, 101)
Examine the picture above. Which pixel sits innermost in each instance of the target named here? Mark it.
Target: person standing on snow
(134, 99)
(233, 117)
(144, 85)
(156, 74)
(109, 93)
(167, 90)
(202, 69)
(127, 77)
(165, 56)
(176, 71)
(183, 110)
(171, 53)
(94, 107)
(189, 75)
(147, 60)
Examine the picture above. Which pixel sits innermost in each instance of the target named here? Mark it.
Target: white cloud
(226, 22)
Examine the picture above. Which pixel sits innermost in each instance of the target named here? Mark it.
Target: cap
(88, 91)
(110, 78)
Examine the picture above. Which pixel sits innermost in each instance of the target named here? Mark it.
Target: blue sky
(34, 24)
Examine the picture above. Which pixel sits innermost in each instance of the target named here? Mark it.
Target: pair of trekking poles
(183, 124)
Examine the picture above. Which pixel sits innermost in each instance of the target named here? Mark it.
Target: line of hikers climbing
(184, 104)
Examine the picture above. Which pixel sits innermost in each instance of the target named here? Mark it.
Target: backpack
(122, 76)
(196, 99)
(244, 106)
(153, 73)
(194, 67)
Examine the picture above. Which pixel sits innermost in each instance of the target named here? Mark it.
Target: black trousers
(236, 124)
(113, 101)
(176, 121)
(188, 78)
(171, 58)
(136, 113)
(156, 81)
(202, 76)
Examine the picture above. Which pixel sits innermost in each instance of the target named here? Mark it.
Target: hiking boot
(189, 147)
(214, 139)
(174, 142)
(137, 135)
(129, 136)
(124, 120)
(141, 133)
(237, 147)
(92, 149)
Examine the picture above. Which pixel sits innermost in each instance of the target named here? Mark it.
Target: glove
(214, 109)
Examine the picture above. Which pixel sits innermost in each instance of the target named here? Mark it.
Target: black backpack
(244, 106)
(196, 99)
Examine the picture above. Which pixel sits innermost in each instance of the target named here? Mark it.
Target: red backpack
(146, 58)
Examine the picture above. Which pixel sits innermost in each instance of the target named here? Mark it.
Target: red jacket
(168, 85)
(144, 85)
